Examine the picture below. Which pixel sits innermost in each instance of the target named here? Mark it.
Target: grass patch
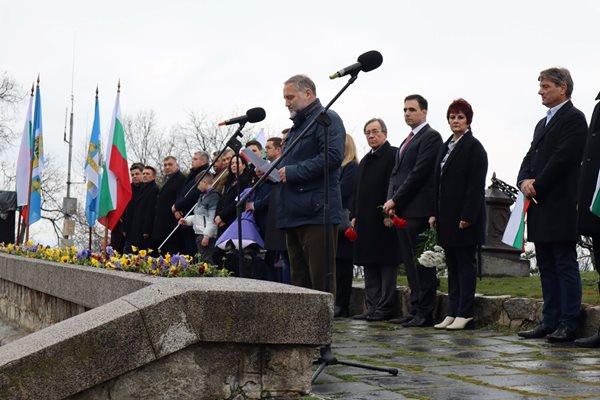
(523, 287)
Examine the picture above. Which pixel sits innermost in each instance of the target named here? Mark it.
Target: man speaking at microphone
(301, 210)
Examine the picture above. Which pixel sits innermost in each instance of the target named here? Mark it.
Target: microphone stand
(326, 357)
(235, 145)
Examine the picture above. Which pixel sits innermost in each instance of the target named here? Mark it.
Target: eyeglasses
(373, 132)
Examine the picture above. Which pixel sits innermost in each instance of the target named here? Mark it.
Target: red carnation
(399, 222)
(351, 234)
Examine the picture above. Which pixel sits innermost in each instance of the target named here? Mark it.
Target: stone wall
(146, 337)
(32, 310)
(514, 312)
(221, 372)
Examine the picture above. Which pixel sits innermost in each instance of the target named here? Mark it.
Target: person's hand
(282, 174)
(181, 221)
(146, 236)
(389, 205)
(219, 221)
(388, 222)
(204, 242)
(431, 221)
(463, 224)
(527, 187)
(178, 215)
(353, 222)
(250, 206)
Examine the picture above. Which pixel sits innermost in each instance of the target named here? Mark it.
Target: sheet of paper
(261, 164)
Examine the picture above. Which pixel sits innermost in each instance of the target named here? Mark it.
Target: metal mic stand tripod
(326, 357)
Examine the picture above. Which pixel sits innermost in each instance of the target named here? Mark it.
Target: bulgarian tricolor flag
(514, 234)
(595, 206)
(115, 189)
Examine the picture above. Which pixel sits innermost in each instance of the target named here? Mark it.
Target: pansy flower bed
(141, 261)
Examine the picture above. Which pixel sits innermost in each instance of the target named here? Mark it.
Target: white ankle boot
(460, 323)
(442, 325)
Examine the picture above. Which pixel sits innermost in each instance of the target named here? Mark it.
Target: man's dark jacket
(553, 160)
(411, 181)
(301, 201)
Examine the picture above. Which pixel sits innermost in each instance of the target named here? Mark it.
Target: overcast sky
(216, 57)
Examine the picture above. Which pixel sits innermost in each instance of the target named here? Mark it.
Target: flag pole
(90, 239)
(17, 241)
(105, 242)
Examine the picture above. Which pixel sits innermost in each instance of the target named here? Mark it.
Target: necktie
(406, 141)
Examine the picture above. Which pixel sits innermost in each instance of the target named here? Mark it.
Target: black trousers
(380, 288)
(421, 280)
(344, 269)
(462, 280)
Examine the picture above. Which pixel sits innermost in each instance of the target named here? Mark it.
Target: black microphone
(252, 115)
(366, 62)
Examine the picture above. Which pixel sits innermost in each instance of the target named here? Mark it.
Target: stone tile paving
(483, 364)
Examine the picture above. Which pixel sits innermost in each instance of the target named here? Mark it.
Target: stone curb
(513, 312)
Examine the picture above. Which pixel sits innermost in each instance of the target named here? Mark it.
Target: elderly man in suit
(376, 247)
(548, 175)
(410, 196)
(588, 224)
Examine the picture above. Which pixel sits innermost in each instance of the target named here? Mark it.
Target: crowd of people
(324, 191)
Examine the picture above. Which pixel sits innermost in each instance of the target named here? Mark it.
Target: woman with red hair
(459, 212)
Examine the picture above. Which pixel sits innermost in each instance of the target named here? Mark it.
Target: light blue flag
(37, 158)
(92, 170)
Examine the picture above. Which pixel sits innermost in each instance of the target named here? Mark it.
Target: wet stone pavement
(483, 364)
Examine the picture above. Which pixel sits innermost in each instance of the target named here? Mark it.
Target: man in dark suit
(376, 247)
(410, 196)
(548, 176)
(164, 219)
(588, 224)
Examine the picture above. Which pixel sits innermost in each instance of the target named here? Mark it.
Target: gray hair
(383, 127)
(301, 83)
(203, 155)
(558, 76)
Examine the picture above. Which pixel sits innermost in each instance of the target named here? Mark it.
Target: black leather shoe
(361, 317)
(401, 320)
(592, 341)
(341, 312)
(378, 316)
(561, 334)
(418, 321)
(538, 332)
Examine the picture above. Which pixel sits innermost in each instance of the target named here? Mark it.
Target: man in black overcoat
(410, 196)
(164, 219)
(135, 172)
(588, 224)
(187, 198)
(376, 247)
(548, 176)
(142, 213)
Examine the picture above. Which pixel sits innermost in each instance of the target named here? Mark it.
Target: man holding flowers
(410, 196)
